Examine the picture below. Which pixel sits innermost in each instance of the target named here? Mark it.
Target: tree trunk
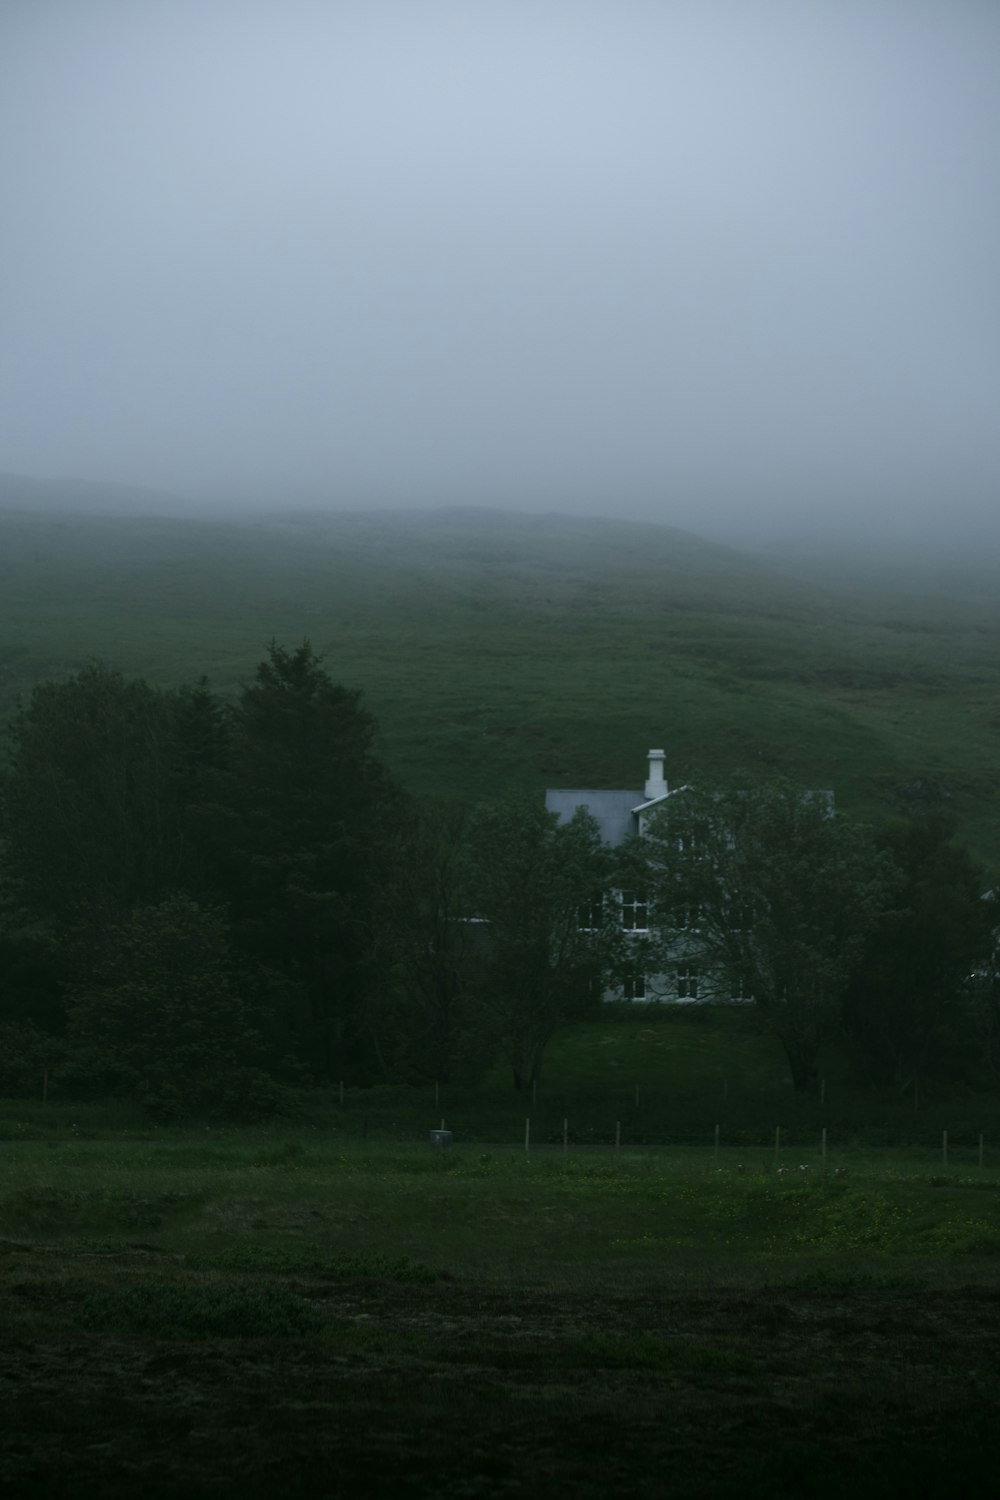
(803, 1062)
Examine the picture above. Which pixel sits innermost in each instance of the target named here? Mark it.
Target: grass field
(201, 1313)
(502, 651)
(332, 1305)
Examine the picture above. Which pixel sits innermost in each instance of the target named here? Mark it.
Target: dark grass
(600, 1325)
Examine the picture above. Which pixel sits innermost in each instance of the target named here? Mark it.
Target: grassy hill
(502, 650)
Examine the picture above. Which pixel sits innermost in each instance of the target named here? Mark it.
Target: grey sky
(708, 261)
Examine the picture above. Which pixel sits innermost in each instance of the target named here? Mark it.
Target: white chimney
(655, 786)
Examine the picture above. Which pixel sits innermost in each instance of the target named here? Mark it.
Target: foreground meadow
(302, 1313)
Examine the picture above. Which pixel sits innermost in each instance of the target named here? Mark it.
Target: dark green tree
(423, 1011)
(776, 894)
(907, 1007)
(304, 829)
(103, 795)
(89, 813)
(163, 1018)
(545, 937)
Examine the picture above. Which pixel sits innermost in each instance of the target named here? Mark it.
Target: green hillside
(502, 650)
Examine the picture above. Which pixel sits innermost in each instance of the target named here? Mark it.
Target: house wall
(620, 815)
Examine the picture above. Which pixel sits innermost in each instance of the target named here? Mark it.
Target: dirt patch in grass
(454, 1390)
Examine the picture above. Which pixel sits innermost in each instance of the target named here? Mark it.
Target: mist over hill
(500, 650)
(90, 497)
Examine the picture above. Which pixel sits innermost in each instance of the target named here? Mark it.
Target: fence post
(527, 1134)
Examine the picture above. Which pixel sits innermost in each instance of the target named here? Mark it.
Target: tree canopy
(775, 892)
(546, 936)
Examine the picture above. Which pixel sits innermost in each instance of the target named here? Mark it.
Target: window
(687, 982)
(635, 911)
(634, 987)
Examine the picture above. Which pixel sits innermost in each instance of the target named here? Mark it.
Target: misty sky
(715, 262)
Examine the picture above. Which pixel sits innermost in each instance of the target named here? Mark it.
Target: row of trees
(882, 942)
(214, 864)
(203, 903)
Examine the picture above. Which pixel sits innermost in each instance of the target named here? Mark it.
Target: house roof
(613, 811)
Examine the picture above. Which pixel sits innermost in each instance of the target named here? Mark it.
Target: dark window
(687, 982)
(634, 987)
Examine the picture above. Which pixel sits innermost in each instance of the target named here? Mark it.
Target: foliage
(907, 1007)
(164, 1019)
(307, 803)
(27, 1056)
(91, 812)
(546, 938)
(422, 1010)
(775, 894)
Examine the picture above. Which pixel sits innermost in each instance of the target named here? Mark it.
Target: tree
(422, 1009)
(163, 1017)
(908, 998)
(89, 810)
(546, 938)
(775, 893)
(306, 806)
(102, 799)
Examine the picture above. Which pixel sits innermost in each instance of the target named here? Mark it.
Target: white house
(619, 815)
